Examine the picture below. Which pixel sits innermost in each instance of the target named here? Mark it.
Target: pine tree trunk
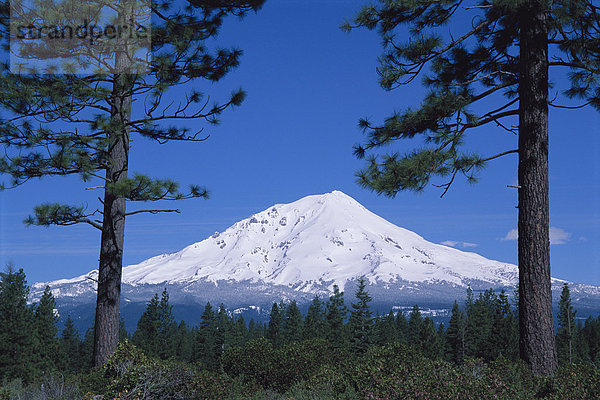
(535, 297)
(106, 328)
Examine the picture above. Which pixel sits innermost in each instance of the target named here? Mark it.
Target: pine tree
(17, 357)
(292, 323)
(591, 334)
(206, 339)
(81, 124)
(146, 335)
(167, 328)
(565, 336)
(314, 322)
(336, 316)
(491, 72)
(384, 329)
(431, 342)
(361, 323)
(505, 332)
(402, 327)
(480, 319)
(274, 331)
(223, 331)
(183, 343)
(70, 359)
(44, 322)
(415, 326)
(456, 335)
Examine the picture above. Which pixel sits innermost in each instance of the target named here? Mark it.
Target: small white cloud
(453, 243)
(513, 234)
(450, 243)
(583, 239)
(557, 235)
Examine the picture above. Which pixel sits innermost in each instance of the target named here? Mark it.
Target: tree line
(485, 327)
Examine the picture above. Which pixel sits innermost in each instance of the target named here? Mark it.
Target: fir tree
(183, 342)
(361, 323)
(336, 315)
(456, 335)
(402, 327)
(167, 328)
(223, 331)
(292, 323)
(385, 329)
(274, 332)
(314, 322)
(415, 326)
(492, 72)
(17, 359)
(81, 124)
(70, 359)
(46, 331)
(206, 338)
(146, 335)
(480, 319)
(565, 336)
(591, 334)
(505, 332)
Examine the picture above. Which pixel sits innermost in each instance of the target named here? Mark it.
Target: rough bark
(535, 297)
(106, 328)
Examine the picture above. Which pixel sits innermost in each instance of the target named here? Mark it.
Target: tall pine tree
(46, 331)
(17, 334)
(491, 72)
(361, 323)
(80, 121)
(565, 336)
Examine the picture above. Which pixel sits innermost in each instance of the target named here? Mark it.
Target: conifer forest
(338, 350)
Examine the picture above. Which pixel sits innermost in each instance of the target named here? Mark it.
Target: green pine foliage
(18, 345)
(70, 348)
(222, 357)
(292, 323)
(44, 322)
(336, 317)
(361, 323)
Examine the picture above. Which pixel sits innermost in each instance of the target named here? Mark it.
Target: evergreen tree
(80, 121)
(361, 323)
(491, 72)
(44, 321)
(591, 334)
(385, 329)
(292, 323)
(146, 335)
(17, 359)
(505, 330)
(183, 343)
(314, 322)
(123, 334)
(480, 319)
(402, 327)
(223, 331)
(206, 338)
(167, 328)
(274, 331)
(431, 342)
(456, 335)
(336, 315)
(70, 359)
(565, 336)
(415, 326)
(240, 332)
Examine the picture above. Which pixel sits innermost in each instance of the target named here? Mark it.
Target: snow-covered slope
(317, 239)
(301, 249)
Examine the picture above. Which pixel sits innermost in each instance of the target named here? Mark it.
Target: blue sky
(308, 83)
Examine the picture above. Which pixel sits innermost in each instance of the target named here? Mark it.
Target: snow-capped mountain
(301, 249)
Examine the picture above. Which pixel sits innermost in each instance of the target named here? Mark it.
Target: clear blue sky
(308, 83)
